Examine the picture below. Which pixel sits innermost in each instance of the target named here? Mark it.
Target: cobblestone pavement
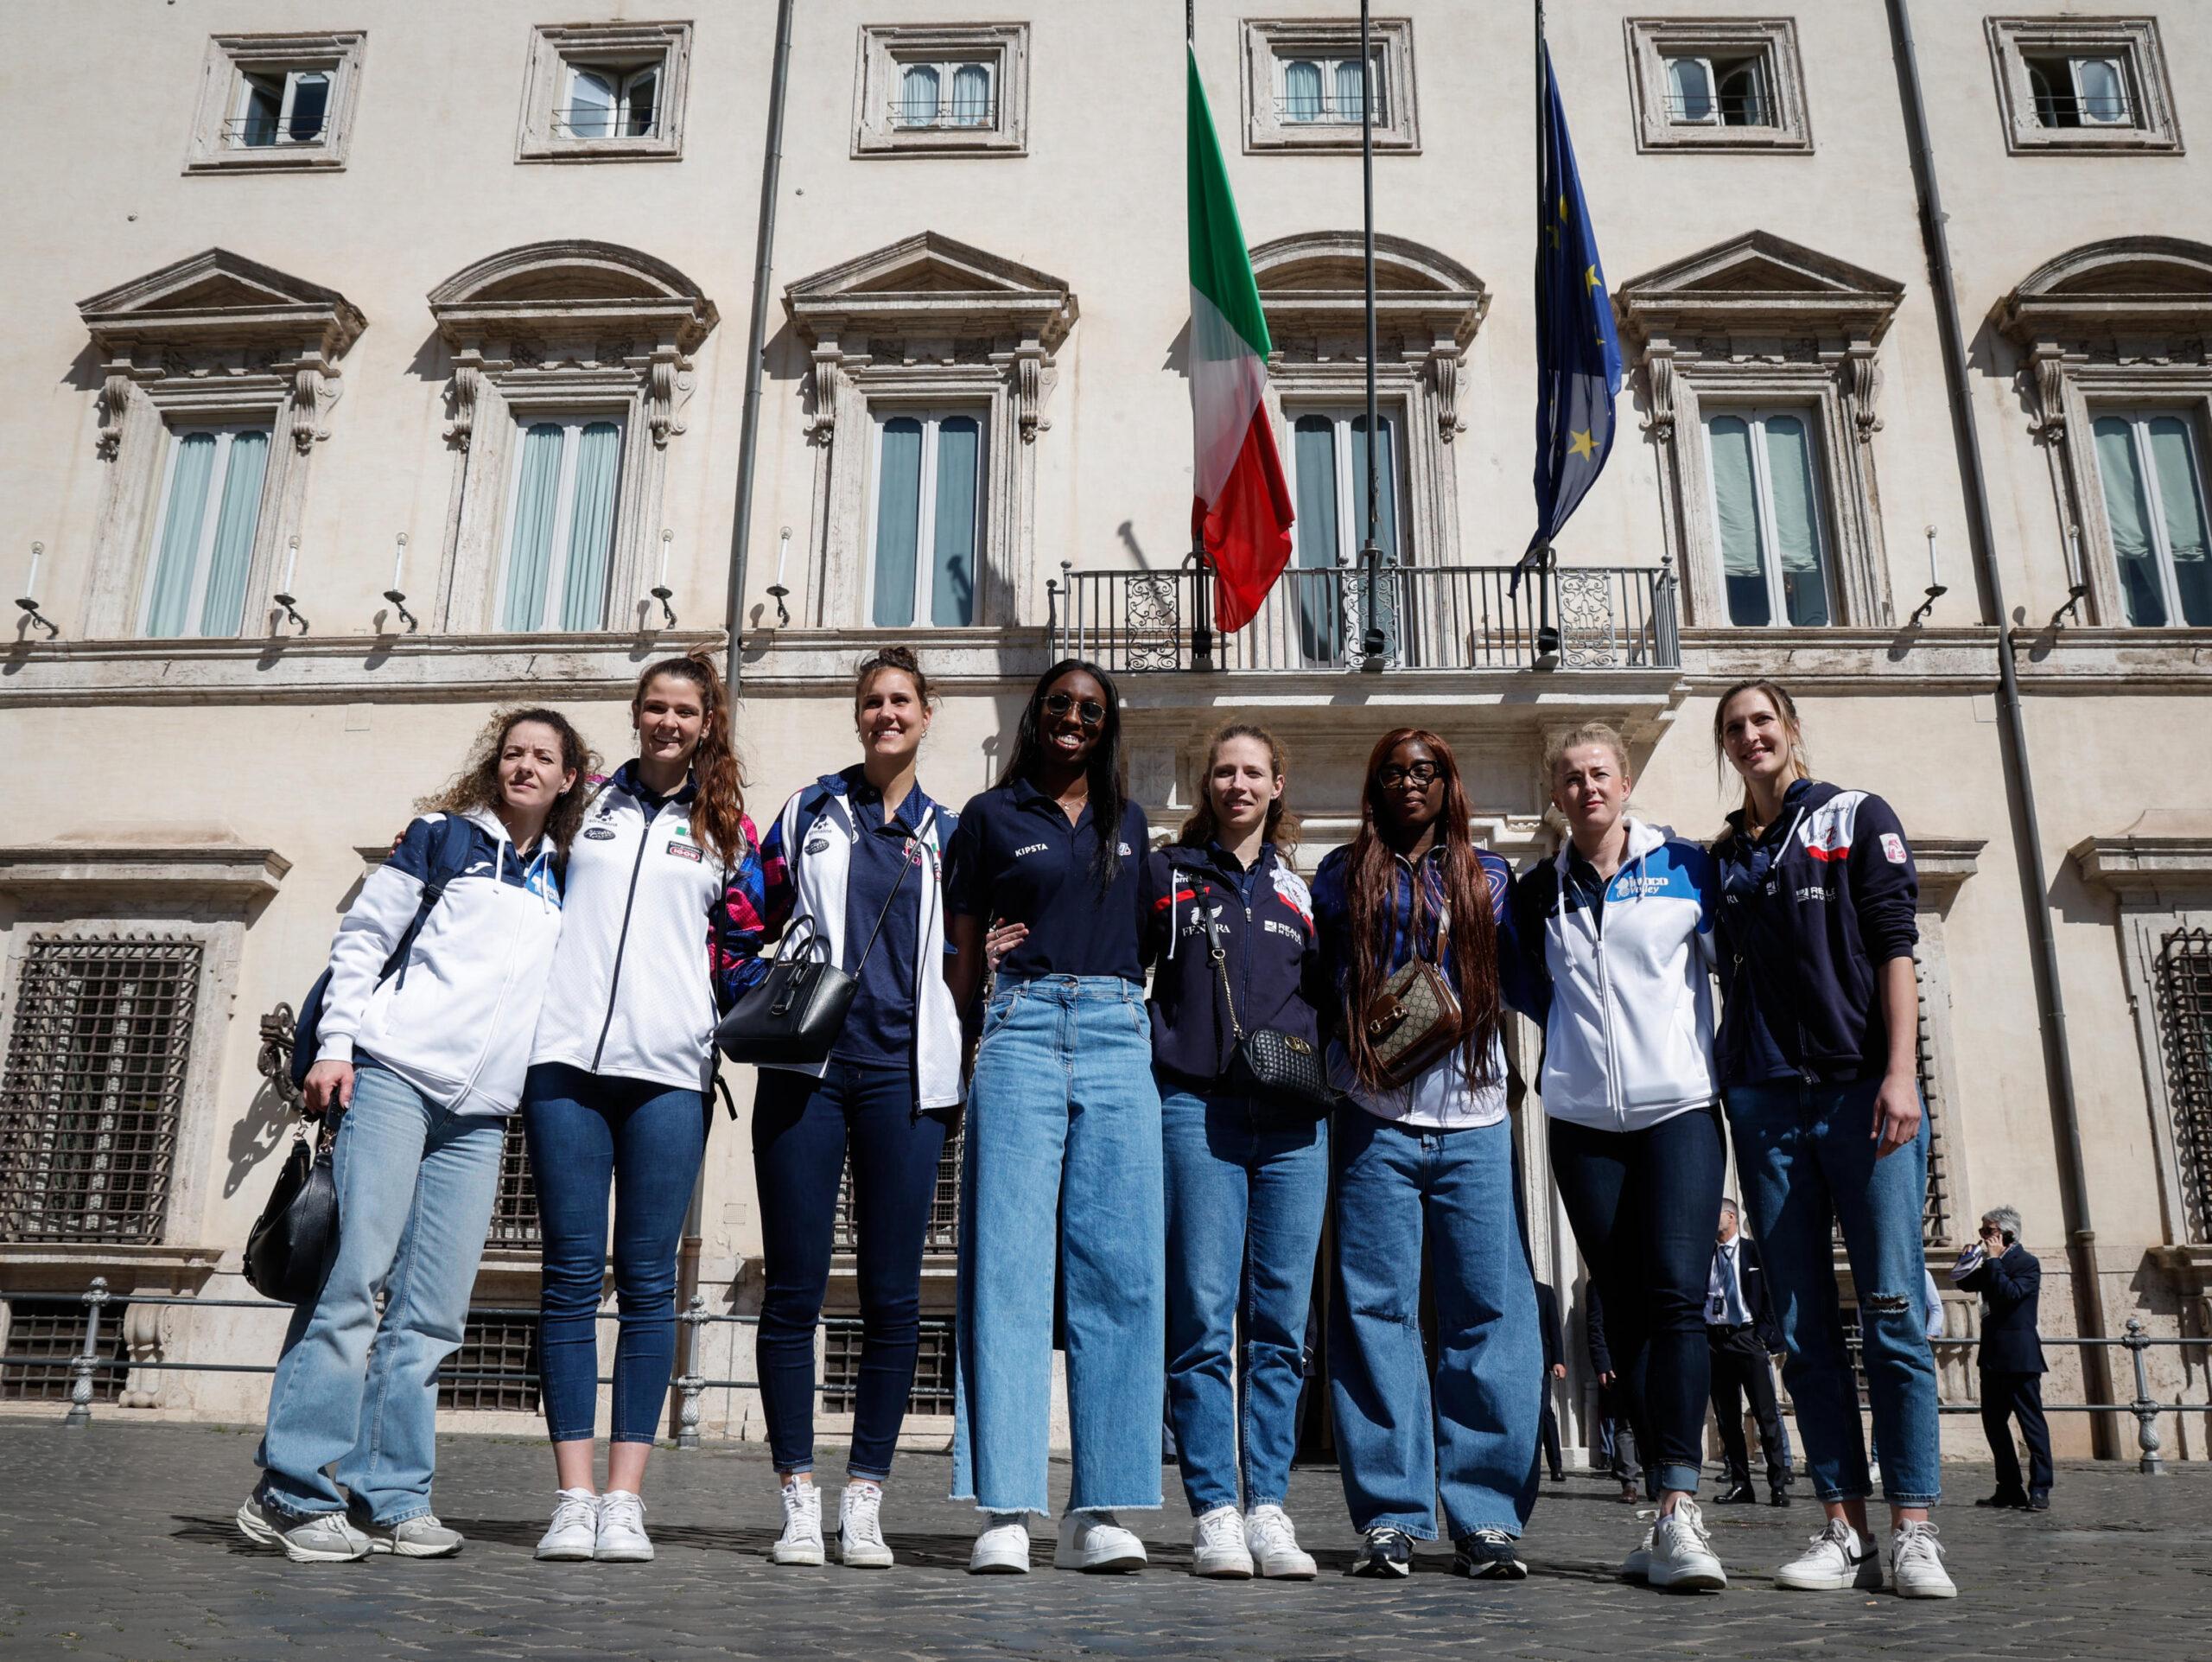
(116, 1542)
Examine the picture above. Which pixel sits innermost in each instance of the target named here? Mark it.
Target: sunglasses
(1090, 711)
(1391, 774)
(1987, 1230)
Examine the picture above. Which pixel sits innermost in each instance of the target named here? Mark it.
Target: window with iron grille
(95, 1082)
(943, 1238)
(495, 1368)
(841, 1368)
(41, 1330)
(2185, 1025)
(514, 1213)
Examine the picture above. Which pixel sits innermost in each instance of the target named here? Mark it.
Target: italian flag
(1240, 508)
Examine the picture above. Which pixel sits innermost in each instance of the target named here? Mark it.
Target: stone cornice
(230, 869)
(2146, 865)
(2075, 659)
(2122, 286)
(931, 285)
(1943, 863)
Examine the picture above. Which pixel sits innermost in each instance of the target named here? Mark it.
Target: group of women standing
(1145, 1181)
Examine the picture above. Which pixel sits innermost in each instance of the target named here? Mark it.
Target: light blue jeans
(1467, 1433)
(1805, 1154)
(415, 1187)
(1244, 1210)
(1063, 1146)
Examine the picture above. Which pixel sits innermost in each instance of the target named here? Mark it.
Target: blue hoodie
(1809, 911)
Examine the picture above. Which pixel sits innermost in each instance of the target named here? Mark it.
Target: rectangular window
(610, 101)
(1718, 92)
(2081, 92)
(2070, 81)
(928, 517)
(495, 1367)
(2150, 464)
(953, 94)
(48, 1334)
(2185, 1032)
(1328, 465)
(561, 523)
(1311, 88)
(280, 107)
(209, 508)
(940, 89)
(1767, 519)
(611, 92)
(841, 1367)
(273, 103)
(94, 1085)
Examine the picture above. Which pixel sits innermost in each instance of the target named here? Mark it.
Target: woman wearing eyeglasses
(1414, 934)
(1063, 1153)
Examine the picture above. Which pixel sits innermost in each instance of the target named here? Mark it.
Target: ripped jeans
(1806, 1155)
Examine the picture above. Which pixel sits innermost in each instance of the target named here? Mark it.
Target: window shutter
(1692, 87)
(591, 527)
(2127, 515)
(897, 520)
(310, 98)
(952, 581)
(530, 551)
(2103, 91)
(170, 606)
(222, 612)
(591, 106)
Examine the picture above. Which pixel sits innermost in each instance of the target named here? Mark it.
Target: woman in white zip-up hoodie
(425, 1062)
(1616, 933)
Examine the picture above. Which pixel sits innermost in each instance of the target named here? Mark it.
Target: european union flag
(1577, 353)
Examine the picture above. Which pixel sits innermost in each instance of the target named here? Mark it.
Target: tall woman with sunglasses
(1423, 1160)
(1063, 1154)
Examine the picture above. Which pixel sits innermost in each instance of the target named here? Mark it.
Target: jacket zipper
(1606, 1010)
(622, 941)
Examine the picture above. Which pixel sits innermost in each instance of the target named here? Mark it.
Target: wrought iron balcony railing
(1400, 617)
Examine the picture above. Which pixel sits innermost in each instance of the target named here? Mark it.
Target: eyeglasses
(1391, 774)
(1987, 1230)
(1090, 711)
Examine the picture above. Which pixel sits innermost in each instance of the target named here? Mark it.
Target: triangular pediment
(218, 295)
(929, 281)
(1760, 262)
(1758, 284)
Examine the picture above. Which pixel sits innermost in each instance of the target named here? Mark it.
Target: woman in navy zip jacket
(1616, 934)
(854, 861)
(1246, 1178)
(425, 1065)
(1817, 1045)
(664, 890)
(1423, 1171)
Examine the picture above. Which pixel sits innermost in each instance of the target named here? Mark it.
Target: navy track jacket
(1809, 912)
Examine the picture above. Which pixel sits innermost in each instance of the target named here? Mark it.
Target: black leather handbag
(795, 1015)
(1281, 1069)
(289, 1249)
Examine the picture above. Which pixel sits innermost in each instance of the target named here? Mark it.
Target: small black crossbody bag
(1281, 1069)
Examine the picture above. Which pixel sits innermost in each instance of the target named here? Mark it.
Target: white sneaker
(1002, 1547)
(860, 1529)
(1917, 1563)
(1275, 1553)
(1218, 1545)
(1838, 1557)
(622, 1537)
(801, 1541)
(326, 1538)
(1681, 1557)
(1093, 1542)
(420, 1536)
(576, 1526)
(1637, 1567)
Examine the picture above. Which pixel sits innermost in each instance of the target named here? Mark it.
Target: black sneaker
(1778, 1496)
(1386, 1552)
(1488, 1555)
(2038, 1500)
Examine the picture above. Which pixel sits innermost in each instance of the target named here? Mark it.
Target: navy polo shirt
(1014, 857)
(880, 1026)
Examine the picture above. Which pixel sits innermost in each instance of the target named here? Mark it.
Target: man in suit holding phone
(2010, 1280)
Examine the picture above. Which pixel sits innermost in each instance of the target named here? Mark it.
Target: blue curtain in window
(1301, 92)
(223, 611)
(1797, 540)
(591, 527)
(170, 603)
(2127, 514)
(1314, 455)
(1351, 96)
(529, 548)
(2181, 493)
(1736, 520)
(898, 521)
(971, 96)
(917, 95)
(952, 581)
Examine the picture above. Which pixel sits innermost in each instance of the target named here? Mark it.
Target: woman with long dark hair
(664, 896)
(1063, 1151)
(1411, 915)
(854, 861)
(425, 1063)
(1819, 1070)
(1229, 927)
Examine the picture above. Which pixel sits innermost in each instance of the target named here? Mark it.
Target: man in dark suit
(1742, 1331)
(1554, 1368)
(2009, 1281)
(1616, 1450)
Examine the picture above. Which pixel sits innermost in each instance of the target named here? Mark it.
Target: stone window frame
(1429, 309)
(1761, 321)
(1652, 41)
(555, 47)
(261, 349)
(2126, 322)
(339, 54)
(879, 336)
(885, 48)
(630, 355)
(1269, 41)
(208, 892)
(2012, 40)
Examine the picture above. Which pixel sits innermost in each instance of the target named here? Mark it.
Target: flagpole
(1201, 609)
(1546, 637)
(1372, 643)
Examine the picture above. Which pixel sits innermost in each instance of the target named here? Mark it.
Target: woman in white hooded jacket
(1616, 933)
(425, 1058)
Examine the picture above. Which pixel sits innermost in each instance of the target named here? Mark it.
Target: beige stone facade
(375, 265)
